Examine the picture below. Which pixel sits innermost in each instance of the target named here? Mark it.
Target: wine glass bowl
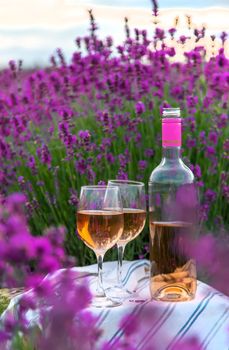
(100, 229)
(100, 224)
(134, 222)
(134, 211)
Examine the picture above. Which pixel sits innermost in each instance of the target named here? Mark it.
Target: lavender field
(98, 117)
(87, 121)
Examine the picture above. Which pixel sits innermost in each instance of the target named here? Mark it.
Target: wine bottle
(173, 207)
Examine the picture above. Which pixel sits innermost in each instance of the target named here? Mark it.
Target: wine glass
(100, 224)
(134, 210)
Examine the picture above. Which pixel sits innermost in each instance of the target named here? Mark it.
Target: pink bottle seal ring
(171, 132)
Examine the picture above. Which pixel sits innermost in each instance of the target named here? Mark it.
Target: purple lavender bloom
(213, 137)
(221, 60)
(84, 135)
(141, 256)
(151, 105)
(210, 195)
(73, 200)
(204, 210)
(191, 142)
(22, 248)
(4, 338)
(122, 160)
(142, 164)
(207, 101)
(172, 31)
(192, 102)
(139, 107)
(81, 166)
(15, 200)
(32, 164)
(159, 34)
(171, 52)
(164, 105)
(91, 175)
(19, 248)
(99, 158)
(43, 247)
(48, 264)
(196, 170)
(223, 37)
(138, 137)
(210, 151)
(183, 39)
(110, 158)
(56, 235)
(149, 153)
(5, 149)
(130, 324)
(122, 175)
(192, 343)
(155, 7)
(10, 324)
(44, 155)
(27, 302)
(222, 122)
(102, 183)
(12, 65)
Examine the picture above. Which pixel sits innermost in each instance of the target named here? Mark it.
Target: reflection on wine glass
(134, 210)
(100, 225)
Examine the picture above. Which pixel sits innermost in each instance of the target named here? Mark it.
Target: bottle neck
(171, 153)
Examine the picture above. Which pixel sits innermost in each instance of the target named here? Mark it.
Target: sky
(32, 29)
(162, 3)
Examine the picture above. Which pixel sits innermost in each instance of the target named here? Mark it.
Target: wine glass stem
(121, 249)
(100, 290)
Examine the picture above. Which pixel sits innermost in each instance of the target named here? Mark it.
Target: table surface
(205, 317)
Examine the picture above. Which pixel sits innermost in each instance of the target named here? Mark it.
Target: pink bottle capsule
(171, 132)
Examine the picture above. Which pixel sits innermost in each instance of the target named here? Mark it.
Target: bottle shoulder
(172, 172)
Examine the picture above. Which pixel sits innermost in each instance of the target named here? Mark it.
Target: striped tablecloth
(205, 317)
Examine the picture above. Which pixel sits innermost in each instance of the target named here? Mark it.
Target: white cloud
(34, 33)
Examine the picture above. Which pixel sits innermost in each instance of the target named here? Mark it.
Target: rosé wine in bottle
(173, 203)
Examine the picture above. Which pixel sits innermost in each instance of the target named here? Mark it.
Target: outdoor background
(81, 99)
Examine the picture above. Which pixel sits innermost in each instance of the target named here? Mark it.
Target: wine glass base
(104, 301)
(118, 294)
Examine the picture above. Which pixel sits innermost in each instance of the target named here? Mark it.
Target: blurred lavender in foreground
(62, 300)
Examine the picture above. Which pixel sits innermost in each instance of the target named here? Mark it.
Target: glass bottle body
(172, 207)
